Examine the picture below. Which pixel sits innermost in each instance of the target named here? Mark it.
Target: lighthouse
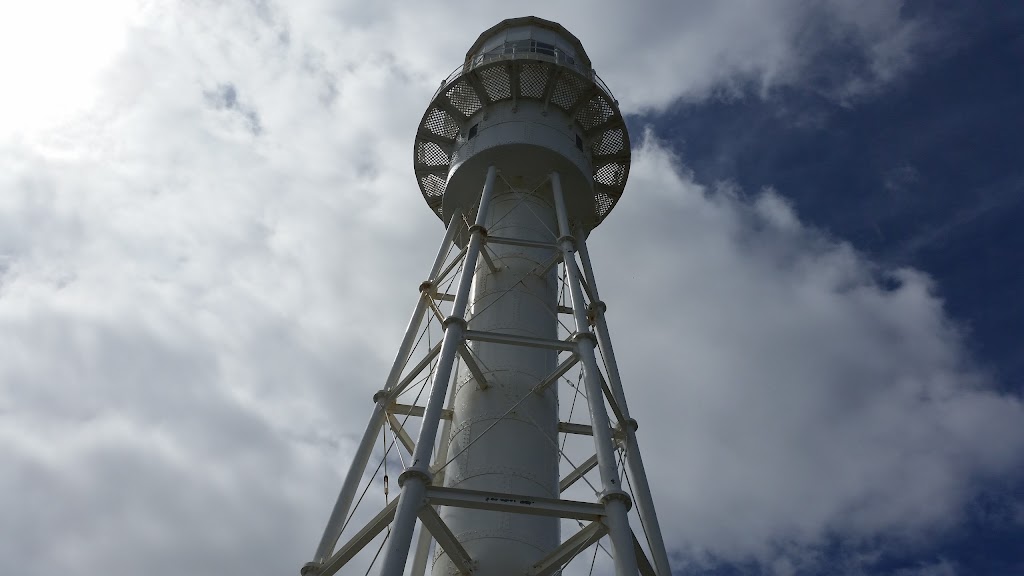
(522, 153)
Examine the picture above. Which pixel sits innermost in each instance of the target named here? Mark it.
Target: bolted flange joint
(568, 237)
(632, 424)
(478, 228)
(454, 320)
(379, 395)
(598, 305)
(611, 495)
(427, 287)
(415, 472)
(310, 569)
(577, 336)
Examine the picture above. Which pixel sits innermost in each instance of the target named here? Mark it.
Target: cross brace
(580, 471)
(564, 427)
(568, 550)
(514, 340)
(352, 547)
(446, 540)
(514, 503)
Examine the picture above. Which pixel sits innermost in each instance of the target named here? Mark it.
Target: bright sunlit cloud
(52, 53)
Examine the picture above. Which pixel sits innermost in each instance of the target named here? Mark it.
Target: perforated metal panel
(463, 96)
(496, 82)
(610, 175)
(441, 123)
(431, 154)
(568, 91)
(595, 112)
(604, 202)
(609, 142)
(533, 78)
(432, 185)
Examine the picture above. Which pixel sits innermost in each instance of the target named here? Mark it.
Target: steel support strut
(416, 477)
(419, 559)
(339, 514)
(615, 500)
(642, 490)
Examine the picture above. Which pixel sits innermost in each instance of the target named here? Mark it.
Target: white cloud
(806, 396)
(194, 312)
(52, 53)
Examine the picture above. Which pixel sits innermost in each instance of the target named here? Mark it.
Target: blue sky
(813, 277)
(928, 173)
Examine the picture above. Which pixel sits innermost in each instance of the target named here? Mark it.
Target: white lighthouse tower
(522, 152)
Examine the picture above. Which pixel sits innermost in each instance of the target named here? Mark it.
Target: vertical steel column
(615, 500)
(355, 472)
(413, 481)
(419, 559)
(644, 500)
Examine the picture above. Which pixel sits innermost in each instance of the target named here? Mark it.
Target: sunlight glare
(52, 53)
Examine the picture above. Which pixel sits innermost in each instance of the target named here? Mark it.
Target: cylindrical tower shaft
(503, 436)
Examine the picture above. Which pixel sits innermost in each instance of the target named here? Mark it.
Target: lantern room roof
(531, 21)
